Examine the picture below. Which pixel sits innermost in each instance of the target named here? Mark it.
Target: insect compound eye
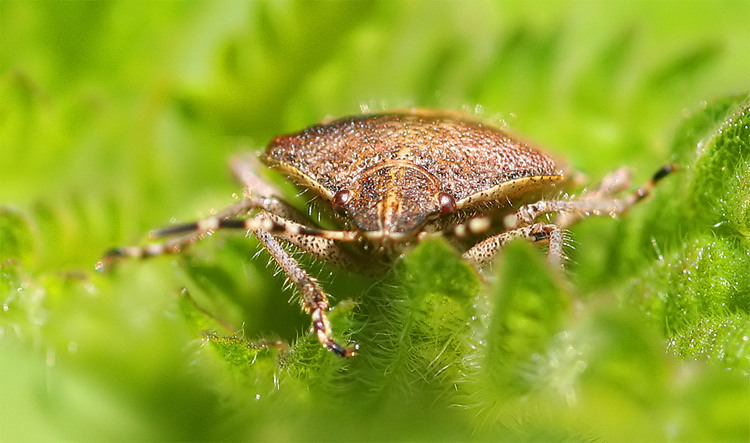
(447, 203)
(340, 199)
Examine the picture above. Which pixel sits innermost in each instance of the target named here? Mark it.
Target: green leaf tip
(16, 235)
(721, 174)
(698, 290)
(704, 283)
(527, 307)
(415, 322)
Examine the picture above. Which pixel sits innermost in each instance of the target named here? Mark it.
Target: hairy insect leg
(318, 242)
(521, 224)
(573, 210)
(321, 244)
(262, 194)
(614, 183)
(279, 217)
(244, 169)
(186, 234)
(257, 194)
(485, 251)
(314, 299)
(262, 220)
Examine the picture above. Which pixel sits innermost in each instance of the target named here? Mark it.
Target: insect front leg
(314, 299)
(186, 234)
(319, 242)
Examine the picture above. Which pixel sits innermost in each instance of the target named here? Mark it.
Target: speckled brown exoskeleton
(392, 179)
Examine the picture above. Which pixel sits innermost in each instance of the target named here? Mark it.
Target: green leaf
(528, 308)
(698, 291)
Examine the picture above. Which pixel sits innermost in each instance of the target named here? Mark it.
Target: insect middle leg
(267, 228)
(485, 251)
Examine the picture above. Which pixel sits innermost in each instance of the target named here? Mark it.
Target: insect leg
(262, 194)
(319, 242)
(314, 299)
(257, 194)
(598, 202)
(486, 250)
(191, 233)
(613, 184)
(244, 169)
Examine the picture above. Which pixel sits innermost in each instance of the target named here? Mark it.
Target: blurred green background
(118, 117)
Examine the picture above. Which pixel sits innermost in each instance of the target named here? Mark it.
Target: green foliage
(698, 291)
(527, 309)
(116, 118)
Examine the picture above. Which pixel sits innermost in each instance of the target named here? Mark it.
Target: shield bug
(392, 179)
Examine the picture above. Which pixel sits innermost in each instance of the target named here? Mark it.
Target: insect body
(391, 179)
(393, 173)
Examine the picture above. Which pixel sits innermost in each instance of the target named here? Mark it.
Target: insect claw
(341, 351)
(107, 261)
(664, 171)
(100, 266)
(351, 351)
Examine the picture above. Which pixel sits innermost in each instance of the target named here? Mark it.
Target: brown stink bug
(392, 179)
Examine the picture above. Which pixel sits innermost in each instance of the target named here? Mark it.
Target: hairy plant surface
(117, 118)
